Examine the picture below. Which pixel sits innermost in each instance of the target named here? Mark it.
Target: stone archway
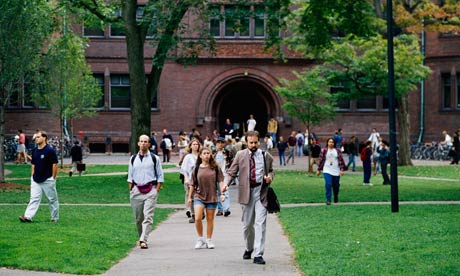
(235, 94)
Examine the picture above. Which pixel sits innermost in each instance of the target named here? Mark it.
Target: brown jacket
(241, 164)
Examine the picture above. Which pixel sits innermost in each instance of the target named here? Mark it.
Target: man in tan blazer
(252, 193)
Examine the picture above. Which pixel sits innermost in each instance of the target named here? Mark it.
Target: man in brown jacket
(254, 178)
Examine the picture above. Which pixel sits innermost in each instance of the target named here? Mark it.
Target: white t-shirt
(448, 140)
(251, 124)
(331, 165)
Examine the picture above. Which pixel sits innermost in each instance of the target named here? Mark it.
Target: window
(99, 78)
(341, 104)
(117, 28)
(13, 101)
(214, 22)
(446, 91)
(93, 30)
(367, 102)
(229, 22)
(457, 93)
(120, 92)
(237, 22)
(259, 21)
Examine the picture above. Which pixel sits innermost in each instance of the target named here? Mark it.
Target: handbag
(273, 205)
(81, 167)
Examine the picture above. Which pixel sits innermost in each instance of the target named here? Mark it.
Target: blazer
(241, 164)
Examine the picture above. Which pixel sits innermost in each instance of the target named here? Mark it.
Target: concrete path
(171, 251)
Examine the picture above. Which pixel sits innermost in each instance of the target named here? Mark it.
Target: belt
(254, 185)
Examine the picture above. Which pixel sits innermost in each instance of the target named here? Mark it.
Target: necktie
(252, 168)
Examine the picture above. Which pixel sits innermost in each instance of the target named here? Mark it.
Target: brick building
(235, 83)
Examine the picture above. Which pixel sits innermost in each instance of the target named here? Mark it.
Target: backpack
(364, 154)
(300, 141)
(154, 159)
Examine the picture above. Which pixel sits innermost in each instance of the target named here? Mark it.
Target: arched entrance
(241, 97)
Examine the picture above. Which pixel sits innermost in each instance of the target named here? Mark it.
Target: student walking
(44, 171)
(366, 158)
(203, 187)
(332, 165)
(145, 177)
(186, 169)
(255, 170)
(282, 145)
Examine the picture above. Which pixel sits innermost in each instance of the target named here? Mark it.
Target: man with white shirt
(145, 177)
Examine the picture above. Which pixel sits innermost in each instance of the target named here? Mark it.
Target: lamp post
(391, 113)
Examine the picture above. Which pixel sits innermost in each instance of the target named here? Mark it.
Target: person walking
(44, 172)
(255, 170)
(145, 177)
(292, 142)
(384, 159)
(220, 157)
(366, 158)
(456, 147)
(186, 169)
(272, 129)
(251, 122)
(76, 153)
(352, 149)
(332, 165)
(282, 145)
(206, 178)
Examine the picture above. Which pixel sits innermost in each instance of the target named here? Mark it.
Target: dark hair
(327, 142)
(212, 162)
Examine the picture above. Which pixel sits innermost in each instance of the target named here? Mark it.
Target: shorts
(21, 148)
(210, 205)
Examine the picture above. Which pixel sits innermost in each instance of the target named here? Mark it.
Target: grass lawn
(329, 240)
(86, 240)
(370, 240)
(297, 187)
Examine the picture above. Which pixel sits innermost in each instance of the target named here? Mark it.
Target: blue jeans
(223, 206)
(367, 167)
(282, 155)
(351, 160)
(273, 135)
(332, 184)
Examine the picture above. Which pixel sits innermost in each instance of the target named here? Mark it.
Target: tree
(162, 22)
(360, 66)
(318, 26)
(24, 26)
(307, 98)
(71, 90)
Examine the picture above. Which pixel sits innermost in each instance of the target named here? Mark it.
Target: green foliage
(360, 65)
(24, 26)
(307, 97)
(371, 240)
(71, 90)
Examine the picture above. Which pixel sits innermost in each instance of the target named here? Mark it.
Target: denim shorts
(211, 205)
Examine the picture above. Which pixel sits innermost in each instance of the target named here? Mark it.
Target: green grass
(370, 240)
(297, 187)
(96, 189)
(23, 171)
(452, 172)
(86, 240)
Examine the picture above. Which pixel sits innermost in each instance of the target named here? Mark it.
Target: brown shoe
(24, 219)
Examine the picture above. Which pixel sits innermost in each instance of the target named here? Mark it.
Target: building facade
(238, 81)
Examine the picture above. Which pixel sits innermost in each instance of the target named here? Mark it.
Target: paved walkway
(171, 244)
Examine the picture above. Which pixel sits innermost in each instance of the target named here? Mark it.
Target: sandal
(143, 245)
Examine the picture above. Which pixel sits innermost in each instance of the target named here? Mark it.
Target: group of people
(207, 176)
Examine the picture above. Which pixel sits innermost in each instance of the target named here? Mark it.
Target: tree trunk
(404, 131)
(140, 97)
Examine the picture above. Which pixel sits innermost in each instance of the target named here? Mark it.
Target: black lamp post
(391, 113)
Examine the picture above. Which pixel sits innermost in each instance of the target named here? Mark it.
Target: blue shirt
(43, 160)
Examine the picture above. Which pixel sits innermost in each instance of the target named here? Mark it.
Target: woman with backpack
(332, 165)
(204, 184)
(384, 158)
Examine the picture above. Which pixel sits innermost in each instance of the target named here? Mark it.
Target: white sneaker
(210, 244)
(200, 244)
